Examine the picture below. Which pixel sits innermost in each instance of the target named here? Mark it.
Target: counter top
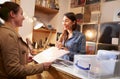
(69, 70)
(63, 71)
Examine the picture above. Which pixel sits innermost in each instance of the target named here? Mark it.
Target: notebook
(49, 55)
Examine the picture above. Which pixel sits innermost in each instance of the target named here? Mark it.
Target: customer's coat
(14, 52)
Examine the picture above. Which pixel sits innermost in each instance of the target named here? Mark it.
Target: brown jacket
(13, 56)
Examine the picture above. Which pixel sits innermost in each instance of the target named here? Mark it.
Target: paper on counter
(49, 55)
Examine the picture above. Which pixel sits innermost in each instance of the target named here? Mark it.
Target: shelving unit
(45, 10)
(92, 22)
(44, 34)
(45, 30)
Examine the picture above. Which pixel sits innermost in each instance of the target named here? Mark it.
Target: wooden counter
(63, 72)
(54, 73)
(57, 72)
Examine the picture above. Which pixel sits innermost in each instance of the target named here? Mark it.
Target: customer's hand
(47, 65)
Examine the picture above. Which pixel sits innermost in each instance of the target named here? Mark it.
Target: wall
(57, 20)
(27, 28)
(108, 10)
(52, 19)
(64, 7)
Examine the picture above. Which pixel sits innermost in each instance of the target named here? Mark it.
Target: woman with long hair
(71, 39)
(13, 50)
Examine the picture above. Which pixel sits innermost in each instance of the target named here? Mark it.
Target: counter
(62, 71)
(58, 71)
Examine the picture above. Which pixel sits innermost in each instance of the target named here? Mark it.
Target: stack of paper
(49, 55)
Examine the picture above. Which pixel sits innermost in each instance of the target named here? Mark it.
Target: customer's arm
(12, 64)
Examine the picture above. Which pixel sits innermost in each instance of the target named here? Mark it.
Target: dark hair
(72, 17)
(5, 9)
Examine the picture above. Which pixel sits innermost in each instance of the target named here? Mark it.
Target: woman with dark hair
(13, 50)
(71, 39)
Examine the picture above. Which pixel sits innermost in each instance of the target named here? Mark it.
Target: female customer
(71, 39)
(13, 50)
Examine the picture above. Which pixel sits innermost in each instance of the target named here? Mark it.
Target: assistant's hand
(47, 65)
(64, 48)
(58, 44)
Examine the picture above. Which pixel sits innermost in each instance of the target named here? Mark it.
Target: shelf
(107, 44)
(45, 30)
(107, 47)
(45, 10)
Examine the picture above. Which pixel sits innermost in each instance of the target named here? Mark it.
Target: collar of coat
(10, 27)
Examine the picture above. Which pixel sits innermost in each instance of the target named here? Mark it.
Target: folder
(49, 55)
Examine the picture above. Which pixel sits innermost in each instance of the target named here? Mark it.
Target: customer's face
(67, 23)
(18, 19)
